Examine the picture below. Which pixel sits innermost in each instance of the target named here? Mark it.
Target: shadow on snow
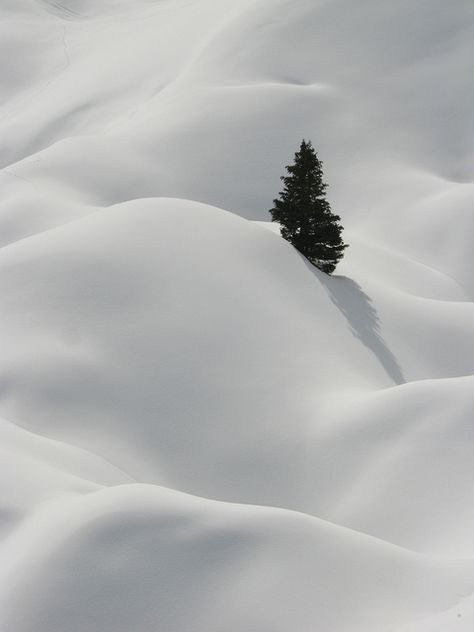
(362, 318)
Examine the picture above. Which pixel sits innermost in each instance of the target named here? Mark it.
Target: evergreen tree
(304, 214)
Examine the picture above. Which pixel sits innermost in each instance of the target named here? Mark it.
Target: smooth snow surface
(199, 431)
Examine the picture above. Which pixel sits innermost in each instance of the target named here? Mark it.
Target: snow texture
(200, 431)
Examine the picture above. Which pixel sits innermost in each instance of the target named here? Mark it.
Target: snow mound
(198, 429)
(263, 567)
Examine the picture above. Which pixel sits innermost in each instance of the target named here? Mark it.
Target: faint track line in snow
(60, 10)
(66, 50)
(28, 98)
(319, 87)
(15, 175)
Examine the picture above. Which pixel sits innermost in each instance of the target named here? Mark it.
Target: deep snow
(198, 429)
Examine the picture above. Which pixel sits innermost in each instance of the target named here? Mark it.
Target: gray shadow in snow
(362, 318)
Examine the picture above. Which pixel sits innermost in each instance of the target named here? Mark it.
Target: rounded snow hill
(137, 557)
(306, 440)
(169, 342)
(174, 315)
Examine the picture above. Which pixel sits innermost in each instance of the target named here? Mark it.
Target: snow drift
(199, 430)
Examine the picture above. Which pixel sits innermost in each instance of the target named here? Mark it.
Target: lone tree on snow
(305, 215)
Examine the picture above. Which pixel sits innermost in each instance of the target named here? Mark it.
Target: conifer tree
(304, 214)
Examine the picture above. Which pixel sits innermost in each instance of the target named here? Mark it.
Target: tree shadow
(362, 318)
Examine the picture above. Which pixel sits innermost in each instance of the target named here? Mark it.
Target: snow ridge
(198, 429)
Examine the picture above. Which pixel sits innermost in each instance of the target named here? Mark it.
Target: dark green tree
(304, 214)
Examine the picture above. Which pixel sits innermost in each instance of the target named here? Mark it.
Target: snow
(199, 430)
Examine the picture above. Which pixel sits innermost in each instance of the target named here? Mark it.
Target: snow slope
(198, 429)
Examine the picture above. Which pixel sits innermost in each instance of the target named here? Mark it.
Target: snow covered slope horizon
(198, 429)
(207, 101)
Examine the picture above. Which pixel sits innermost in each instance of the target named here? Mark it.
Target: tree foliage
(304, 214)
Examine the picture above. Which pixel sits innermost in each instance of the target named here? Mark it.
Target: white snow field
(199, 431)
